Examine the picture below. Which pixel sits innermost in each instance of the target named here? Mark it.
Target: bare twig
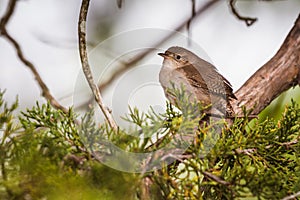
(289, 144)
(193, 15)
(248, 20)
(128, 65)
(8, 13)
(215, 178)
(119, 3)
(293, 196)
(246, 151)
(3, 32)
(85, 64)
(124, 66)
(276, 76)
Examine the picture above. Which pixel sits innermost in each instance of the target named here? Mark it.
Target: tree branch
(124, 66)
(276, 76)
(85, 64)
(3, 32)
(248, 20)
(8, 13)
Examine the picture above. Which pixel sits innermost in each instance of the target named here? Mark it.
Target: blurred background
(47, 33)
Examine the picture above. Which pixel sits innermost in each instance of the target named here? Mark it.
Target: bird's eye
(178, 57)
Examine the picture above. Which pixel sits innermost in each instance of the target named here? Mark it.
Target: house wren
(199, 78)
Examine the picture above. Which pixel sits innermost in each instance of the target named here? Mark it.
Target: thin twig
(293, 196)
(128, 65)
(289, 144)
(124, 66)
(246, 151)
(193, 15)
(85, 64)
(119, 3)
(248, 20)
(3, 32)
(8, 13)
(215, 178)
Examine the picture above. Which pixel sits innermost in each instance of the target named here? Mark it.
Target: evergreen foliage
(46, 154)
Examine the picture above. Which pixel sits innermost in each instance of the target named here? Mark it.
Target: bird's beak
(163, 55)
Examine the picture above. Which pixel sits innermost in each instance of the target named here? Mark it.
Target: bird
(200, 79)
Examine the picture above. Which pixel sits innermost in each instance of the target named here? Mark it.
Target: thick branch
(276, 76)
(85, 64)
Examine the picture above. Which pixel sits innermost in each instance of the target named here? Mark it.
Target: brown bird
(200, 79)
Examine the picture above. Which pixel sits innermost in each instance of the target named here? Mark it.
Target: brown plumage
(200, 78)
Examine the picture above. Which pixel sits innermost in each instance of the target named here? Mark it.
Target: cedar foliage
(44, 155)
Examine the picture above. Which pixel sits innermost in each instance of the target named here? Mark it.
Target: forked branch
(276, 76)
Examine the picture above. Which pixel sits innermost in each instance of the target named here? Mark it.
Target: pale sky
(47, 32)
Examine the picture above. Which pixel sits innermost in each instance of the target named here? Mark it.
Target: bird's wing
(210, 81)
(220, 85)
(194, 77)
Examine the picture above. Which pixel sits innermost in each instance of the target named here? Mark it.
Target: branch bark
(85, 64)
(279, 74)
